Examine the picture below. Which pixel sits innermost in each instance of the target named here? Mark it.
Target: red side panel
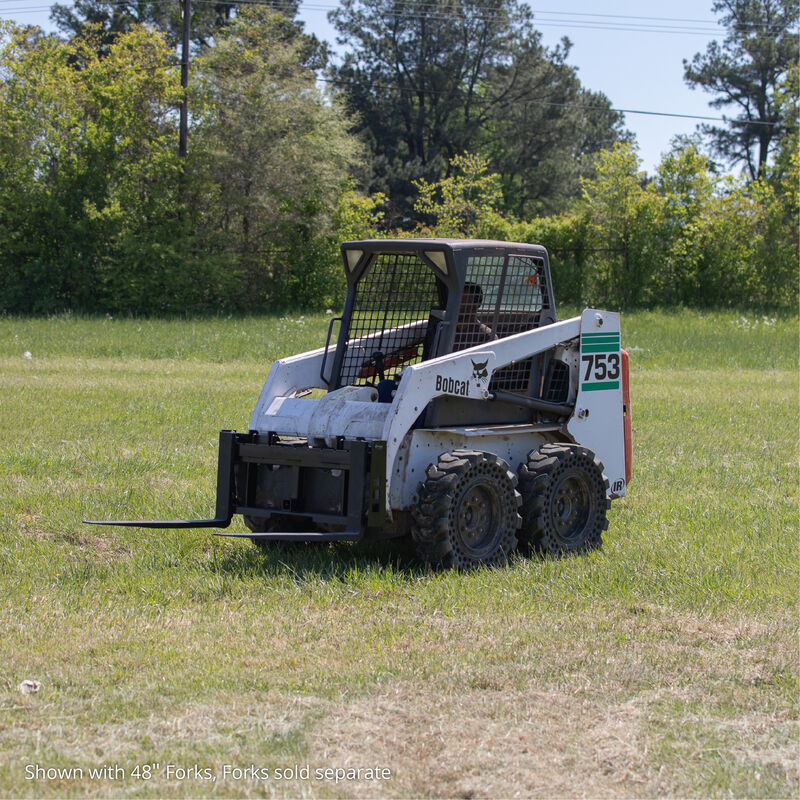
(626, 414)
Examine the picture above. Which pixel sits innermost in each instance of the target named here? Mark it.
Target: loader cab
(410, 300)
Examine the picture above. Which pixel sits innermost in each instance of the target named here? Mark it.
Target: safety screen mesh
(556, 387)
(503, 295)
(398, 304)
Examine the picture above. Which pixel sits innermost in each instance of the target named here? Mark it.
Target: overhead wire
(709, 24)
(632, 27)
(578, 20)
(583, 106)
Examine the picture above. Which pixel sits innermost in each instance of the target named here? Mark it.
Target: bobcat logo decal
(479, 371)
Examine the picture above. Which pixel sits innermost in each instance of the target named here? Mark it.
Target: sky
(631, 50)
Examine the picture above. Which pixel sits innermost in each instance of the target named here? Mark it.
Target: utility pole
(184, 124)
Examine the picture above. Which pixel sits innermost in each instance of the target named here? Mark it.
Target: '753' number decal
(601, 366)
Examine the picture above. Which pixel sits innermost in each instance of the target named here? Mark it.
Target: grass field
(665, 664)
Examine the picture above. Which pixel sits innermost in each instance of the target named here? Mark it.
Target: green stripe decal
(599, 335)
(601, 340)
(600, 348)
(596, 387)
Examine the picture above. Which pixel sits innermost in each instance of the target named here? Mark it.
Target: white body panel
(424, 446)
(455, 374)
(597, 422)
(352, 412)
(287, 377)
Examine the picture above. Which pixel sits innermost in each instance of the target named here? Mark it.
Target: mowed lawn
(664, 664)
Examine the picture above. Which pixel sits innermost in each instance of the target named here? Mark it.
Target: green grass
(664, 664)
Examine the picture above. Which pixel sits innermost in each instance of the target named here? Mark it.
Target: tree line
(443, 118)
(682, 237)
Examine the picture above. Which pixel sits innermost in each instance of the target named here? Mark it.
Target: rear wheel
(467, 512)
(564, 499)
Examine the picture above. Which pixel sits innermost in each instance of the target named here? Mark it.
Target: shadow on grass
(337, 561)
(393, 561)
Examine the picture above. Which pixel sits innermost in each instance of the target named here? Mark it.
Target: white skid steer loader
(457, 409)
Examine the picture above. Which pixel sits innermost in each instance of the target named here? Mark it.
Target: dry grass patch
(491, 743)
(680, 711)
(234, 729)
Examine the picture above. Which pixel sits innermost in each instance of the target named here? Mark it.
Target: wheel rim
(571, 506)
(478, 519)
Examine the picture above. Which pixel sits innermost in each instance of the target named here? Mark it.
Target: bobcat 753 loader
(457, 409)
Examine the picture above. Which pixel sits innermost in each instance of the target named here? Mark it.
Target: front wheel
(565, 499)
(467, 513)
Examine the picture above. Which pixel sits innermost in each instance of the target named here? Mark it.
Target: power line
(578, 20)
(417, 6)
(423, 16)
(625, 16)
(586, 107)
(431, 17)
(583, 106)
(579, 24)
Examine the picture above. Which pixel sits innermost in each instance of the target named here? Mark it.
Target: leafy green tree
(359, 216)
(625, 214)
(274, 155)
(36, 200)
(787, 104)
(682, 238)
(131, 92)
(465, 203)
(88, 179)
(743, 73)
(724, 243)
(413, 79)
(751, 260)
(685, 181)
(685, 239)
(97, 211)
(784, 174)
(104, 20)
(545, 132)
(114, 17)
(425, 82)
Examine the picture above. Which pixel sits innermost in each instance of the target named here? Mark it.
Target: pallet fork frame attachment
(224, 505)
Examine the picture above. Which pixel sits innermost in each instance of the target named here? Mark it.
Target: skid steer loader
(457, 409)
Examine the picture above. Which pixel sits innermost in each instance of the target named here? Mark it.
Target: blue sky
(632, 50)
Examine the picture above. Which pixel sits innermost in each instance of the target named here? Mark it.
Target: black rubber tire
(564, 500)
(467, 512)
